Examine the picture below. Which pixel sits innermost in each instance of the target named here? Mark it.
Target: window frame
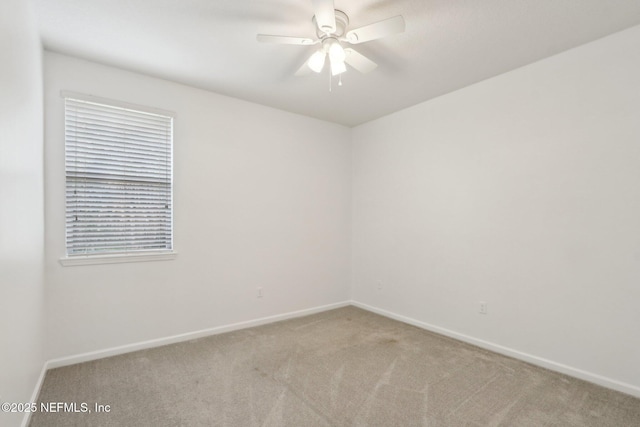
(123, 256)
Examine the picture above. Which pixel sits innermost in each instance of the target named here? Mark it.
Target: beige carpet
(345, 367)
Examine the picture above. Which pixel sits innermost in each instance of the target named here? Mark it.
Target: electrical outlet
(259, 292)
(482, 307)
(379, 286)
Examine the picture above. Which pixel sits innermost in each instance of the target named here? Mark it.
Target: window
(118, 167)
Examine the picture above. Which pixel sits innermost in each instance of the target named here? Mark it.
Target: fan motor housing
(342, 20)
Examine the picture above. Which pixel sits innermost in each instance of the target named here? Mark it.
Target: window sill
(116, 258)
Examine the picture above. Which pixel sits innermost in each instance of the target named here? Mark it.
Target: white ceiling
(211, 44)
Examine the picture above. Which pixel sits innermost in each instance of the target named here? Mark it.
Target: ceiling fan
(331, 30)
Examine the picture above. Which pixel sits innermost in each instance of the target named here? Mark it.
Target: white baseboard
(128, 348)
(36, 391)
(534, 360)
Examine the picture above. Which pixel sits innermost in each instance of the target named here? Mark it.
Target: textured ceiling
(211, 44)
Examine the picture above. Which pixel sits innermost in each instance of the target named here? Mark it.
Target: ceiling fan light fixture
(337, 67)
(336, 52)
(331, 30)
(316, 62)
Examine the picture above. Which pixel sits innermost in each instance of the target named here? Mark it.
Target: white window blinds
(118, 179)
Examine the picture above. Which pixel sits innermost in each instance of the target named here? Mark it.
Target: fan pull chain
(331, 81)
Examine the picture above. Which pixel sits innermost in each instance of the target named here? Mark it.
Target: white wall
(21, 207)
(522, 191)
(261, 200)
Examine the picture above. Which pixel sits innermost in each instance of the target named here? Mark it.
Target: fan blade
(359, 61)
(325, 15)
(264, 38)
(377, 30)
